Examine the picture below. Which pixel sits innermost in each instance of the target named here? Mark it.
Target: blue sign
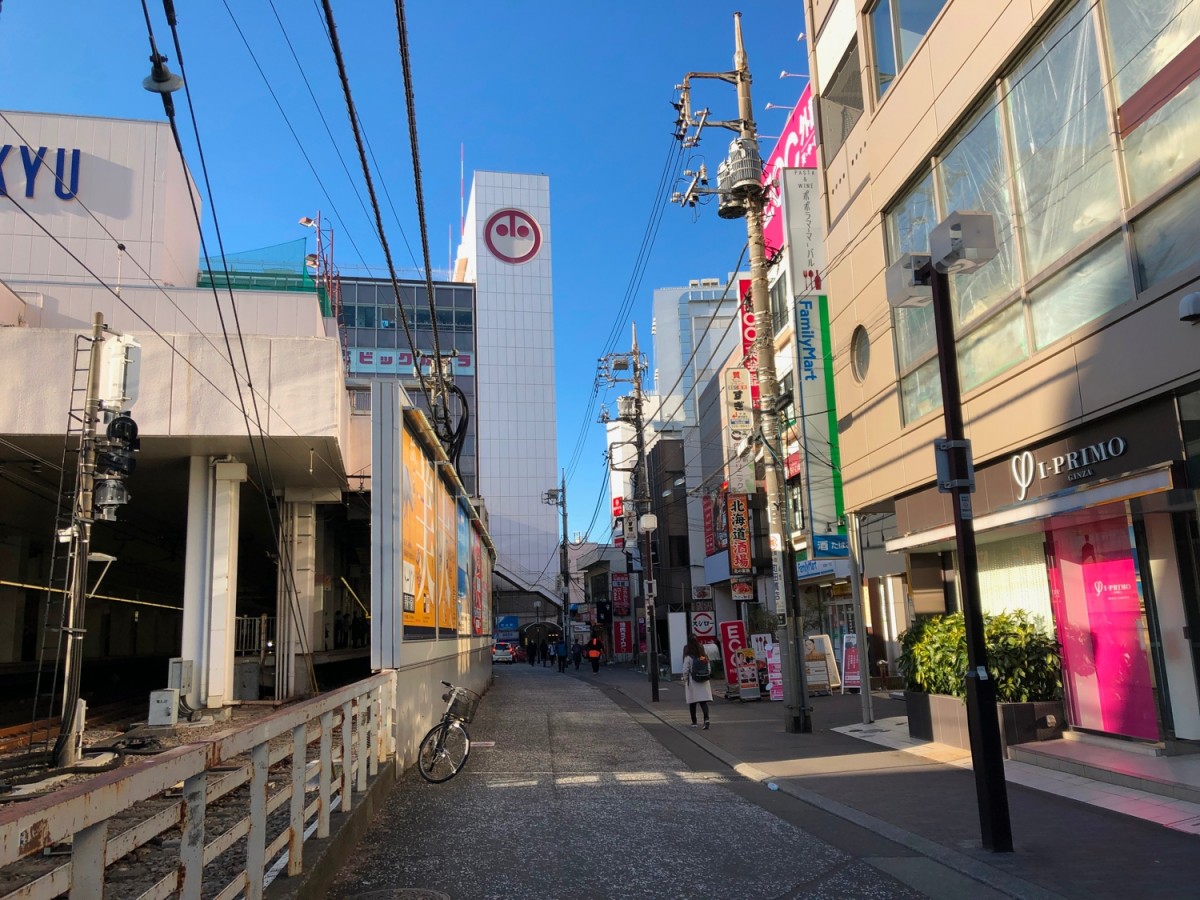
(507, 623)
(830, 545)
(33, 161)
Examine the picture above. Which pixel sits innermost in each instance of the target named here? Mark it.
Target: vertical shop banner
(775, 672)
(739, 419)
(620, 593)
(622, 636)
(733, 641)
(710, 534)
(740, 562)
(821, 454)
(795, 149)
(749, 329)
(720, 511)
(851, 664)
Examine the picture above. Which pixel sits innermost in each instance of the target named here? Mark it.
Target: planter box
(941, 718)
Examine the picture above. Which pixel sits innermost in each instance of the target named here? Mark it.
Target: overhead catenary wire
(262, 467)
(352, 114)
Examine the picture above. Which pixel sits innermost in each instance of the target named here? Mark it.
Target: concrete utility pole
(558, 497)
(741, 195)
(612, 368)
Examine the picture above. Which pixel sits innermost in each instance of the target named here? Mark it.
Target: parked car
(502, 652)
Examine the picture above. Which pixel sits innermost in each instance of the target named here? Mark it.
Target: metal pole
(564, 558)
(797, 718)
(81, 537)
(987, 756)
(860, 609)
(641, 503)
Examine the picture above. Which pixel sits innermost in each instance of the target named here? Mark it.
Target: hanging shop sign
(740, 562)
(622, 636)
(851, 667)
(831, 545)
(742, 590)
(620, 593)
(796, 148)
(749, 327)
(704, 624)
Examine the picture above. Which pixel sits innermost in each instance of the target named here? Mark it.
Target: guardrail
(181, 791)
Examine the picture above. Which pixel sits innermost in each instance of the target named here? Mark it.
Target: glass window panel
(1168, 237)
(885, 46)
(422, 316)
(349, 315)
(921, 391)
(1066, 180)
(365, 317)
(916, 18)
(445, 318)
(462, 319)
(908, 224)
(1145, 35)
(993, 347)
(386, 338)
(841, 104)
(1085, 290)
(1165, 144)
(387, 317)
(973, 174)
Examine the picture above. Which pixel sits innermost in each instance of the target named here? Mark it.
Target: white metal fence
(243, 806)
(255, 635)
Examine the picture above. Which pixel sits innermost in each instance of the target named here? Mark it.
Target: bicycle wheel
(443, 752)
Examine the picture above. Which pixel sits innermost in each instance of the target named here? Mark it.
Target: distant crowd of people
(558, 653)
(350, 631)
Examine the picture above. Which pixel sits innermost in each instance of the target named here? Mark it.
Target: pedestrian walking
(561, 652)
(593, 651)
(697, 690)
(544, 653)
(553, 653)
(531, 652)
(576, 653)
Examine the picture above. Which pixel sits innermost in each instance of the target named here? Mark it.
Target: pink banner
(622, 636)
(620, 593)
(733, 640)
(795, 149)
(749, 327)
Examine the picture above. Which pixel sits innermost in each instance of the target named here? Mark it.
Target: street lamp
(961, 244)
(649, 522)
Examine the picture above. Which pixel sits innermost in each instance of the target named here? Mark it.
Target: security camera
(1189, 308)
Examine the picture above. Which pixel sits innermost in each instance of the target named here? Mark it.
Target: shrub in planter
(1022, 658)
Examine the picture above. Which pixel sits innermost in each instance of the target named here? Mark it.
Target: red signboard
(620, 593)
(622, 636)
(733, 640)
(749, 336)
(739, 535)
(795, 149)
(618, 507)
(710, 532)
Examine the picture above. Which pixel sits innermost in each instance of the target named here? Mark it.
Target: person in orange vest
(593, 651)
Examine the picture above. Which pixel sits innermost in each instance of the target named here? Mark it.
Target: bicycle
(444, 750)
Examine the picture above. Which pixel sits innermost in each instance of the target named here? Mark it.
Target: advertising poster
(710, 530)
(463, 567)
(816, 669)
(733, 641)
(739, 535)
(477, 617)
(742, 590)
(620, 593)
(447, 573)
(775, 673)
(747, 675)
(851, 670)
(622, 636)
(418, 542)
(761, 644)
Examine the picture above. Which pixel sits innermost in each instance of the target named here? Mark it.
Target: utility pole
(630, 410)
(741, 195)
(558, 497)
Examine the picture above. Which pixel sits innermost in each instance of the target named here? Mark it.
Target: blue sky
(580, 92)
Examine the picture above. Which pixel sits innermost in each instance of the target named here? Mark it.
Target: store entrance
(1099, 613)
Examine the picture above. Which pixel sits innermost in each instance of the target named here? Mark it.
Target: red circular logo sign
(513, 236)
(703, 624)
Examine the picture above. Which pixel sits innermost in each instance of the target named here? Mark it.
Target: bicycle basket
(463, 704)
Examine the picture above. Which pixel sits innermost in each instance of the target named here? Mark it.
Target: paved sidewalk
(1063, 847)
(592, 791)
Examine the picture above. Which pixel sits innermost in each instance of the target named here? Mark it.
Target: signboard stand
(851, 669)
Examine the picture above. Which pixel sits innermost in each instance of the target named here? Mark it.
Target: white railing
(352, 729)
(255, 635)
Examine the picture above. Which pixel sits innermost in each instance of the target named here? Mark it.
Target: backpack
(700, 669)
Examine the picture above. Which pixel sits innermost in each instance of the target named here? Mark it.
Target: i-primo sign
(65, 178)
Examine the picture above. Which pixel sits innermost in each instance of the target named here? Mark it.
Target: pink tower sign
(795, 149)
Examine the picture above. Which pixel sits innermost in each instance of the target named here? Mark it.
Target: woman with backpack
(697, 670)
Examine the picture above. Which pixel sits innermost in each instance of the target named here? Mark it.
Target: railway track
(19, 738)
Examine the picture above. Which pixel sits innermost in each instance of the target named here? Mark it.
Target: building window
(841, 103)
(779, 305)
(1158, 114)
(1085, 290)
(1168, 237)
(897, 27)
(1065, 175)
(860, 354)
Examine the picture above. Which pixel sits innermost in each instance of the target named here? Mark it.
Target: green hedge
(1022, 658)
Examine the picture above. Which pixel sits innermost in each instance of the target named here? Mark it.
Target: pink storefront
(1094, 533)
